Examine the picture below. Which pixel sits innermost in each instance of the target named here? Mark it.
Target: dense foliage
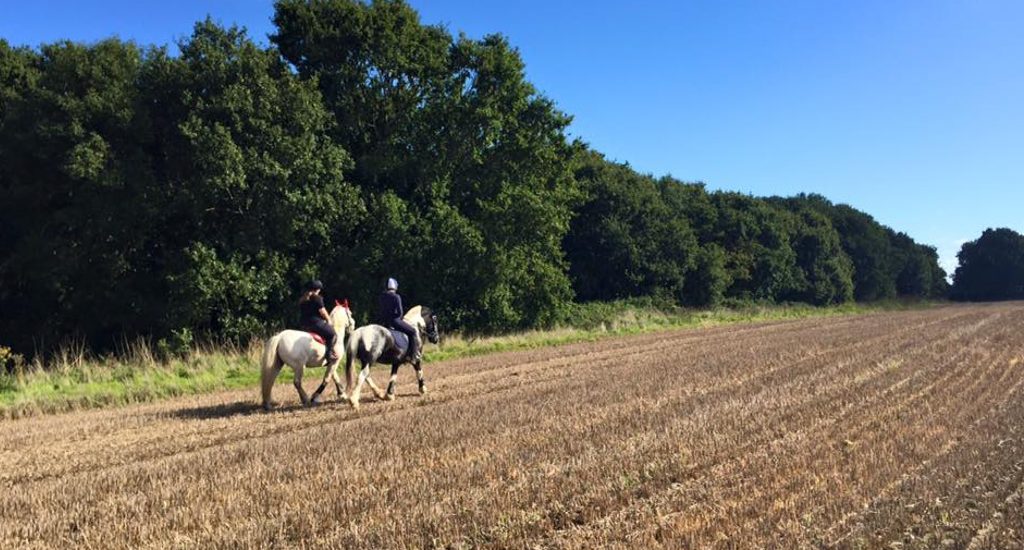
(991, 268)
(152, 194)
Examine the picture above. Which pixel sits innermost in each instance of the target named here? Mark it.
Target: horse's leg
(373, 385)
(315, 398)
(298, 385)
(419, 376)
(269, 377)
(357, 393)
(391, 383)
(337, 382)
(331, 371)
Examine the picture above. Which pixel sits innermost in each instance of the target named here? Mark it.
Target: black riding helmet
(314, 285)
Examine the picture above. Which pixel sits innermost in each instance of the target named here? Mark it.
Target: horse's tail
(351, 349)
(269, 368)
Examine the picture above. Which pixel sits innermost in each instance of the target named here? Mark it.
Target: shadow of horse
(226, 410)
(247, 408)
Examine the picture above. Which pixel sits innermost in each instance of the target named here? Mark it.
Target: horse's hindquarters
(298, 349)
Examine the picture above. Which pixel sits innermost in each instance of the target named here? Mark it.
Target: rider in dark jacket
(313, 317)
(389, 314)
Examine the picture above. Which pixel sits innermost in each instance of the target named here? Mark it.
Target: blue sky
(911, 111)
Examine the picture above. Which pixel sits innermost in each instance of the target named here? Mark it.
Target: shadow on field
(242, 408)
(246, 408)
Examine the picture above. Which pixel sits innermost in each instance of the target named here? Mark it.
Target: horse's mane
(345, 310)
(413, 313)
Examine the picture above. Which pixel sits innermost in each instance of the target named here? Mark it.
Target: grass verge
(74, 381)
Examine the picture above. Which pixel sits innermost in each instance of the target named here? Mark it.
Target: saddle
(319, 339)
(401, 341)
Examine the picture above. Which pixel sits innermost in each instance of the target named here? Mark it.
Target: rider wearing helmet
(389, 314)
(313, 317)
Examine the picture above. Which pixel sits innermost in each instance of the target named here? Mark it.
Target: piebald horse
(298, 349)
(376, 344)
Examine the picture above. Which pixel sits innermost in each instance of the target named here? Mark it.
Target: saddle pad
(319, 339)
(401, 340)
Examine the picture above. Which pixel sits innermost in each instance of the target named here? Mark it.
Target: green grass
(98, 383)
(75, 382)
(591, 322)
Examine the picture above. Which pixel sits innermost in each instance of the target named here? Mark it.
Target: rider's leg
(330, 337)
(414, 337)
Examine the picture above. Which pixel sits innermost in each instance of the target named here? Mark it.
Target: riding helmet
(392, 284)
(315, 284)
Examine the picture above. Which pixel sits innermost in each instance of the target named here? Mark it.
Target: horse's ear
(344, 304)
(336, 303)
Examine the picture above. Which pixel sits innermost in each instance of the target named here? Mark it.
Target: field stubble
(886, 430)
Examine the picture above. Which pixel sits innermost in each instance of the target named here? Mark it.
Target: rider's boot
(331, 356)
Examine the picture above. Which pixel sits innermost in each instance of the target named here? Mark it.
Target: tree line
(146, 193)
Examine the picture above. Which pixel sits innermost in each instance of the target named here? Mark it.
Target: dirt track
(850, 432)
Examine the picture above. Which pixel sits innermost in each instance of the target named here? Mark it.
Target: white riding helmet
(392, 284)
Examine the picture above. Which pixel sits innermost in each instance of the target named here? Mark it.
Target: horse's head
(431, 326)
(341, 318)
(425, 322)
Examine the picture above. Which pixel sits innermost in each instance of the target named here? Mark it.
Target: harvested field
(860, 431)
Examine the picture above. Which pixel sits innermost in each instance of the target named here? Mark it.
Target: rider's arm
(322, 311)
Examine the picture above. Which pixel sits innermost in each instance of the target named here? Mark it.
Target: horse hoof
(390, 397)
(423, 389)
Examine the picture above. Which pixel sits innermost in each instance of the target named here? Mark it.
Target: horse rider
(313, 317)
(389, 314)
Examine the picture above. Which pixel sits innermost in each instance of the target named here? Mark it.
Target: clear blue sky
(912, 111)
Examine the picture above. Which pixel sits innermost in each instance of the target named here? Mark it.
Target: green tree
(991, 267)
(254, 191)
(624, 240)
(755, 236)
(826, 270)
(73, 153)
(868, 245)
(19, 73)
(918, 273)
(709, 280)
(707, 283)
(448, 126)
(148, 193)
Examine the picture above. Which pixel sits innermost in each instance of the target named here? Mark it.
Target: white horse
(299, 350)
(376, 344)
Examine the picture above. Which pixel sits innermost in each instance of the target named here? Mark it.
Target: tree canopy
(991, 267)
(146, 193)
